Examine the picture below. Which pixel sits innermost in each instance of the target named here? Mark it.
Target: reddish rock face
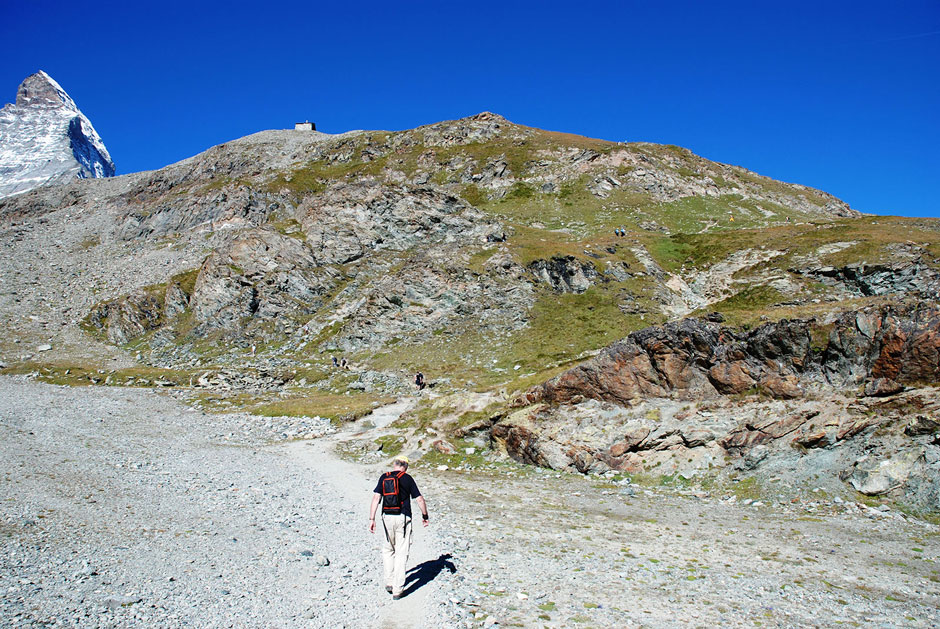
(888, 364)
(785, 387)
(520, 442)
(618, 449)
(695, 358)
(921, 360)
(813, 439)
(729, 378)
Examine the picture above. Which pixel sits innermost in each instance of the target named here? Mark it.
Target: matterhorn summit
(45, 138)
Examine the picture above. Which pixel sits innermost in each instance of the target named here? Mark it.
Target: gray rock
(117, 602)
(873, 477)
(565, 274)
(922, 425)
(882, 387)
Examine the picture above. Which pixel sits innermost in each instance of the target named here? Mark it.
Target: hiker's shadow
(426, 572)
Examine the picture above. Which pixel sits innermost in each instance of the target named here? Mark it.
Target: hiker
(419, 381)
(344, 364)
(335, 362)
(394, 491)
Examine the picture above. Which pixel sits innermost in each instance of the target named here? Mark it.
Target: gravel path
(123, 507)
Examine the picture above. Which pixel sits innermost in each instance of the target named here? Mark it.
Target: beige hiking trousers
(395, 549)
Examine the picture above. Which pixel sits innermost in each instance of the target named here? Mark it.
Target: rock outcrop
(46, 139)
(695, 358)
(565, 274)
(908, 276)
(853, 399)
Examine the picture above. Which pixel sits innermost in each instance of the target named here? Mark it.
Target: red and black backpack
(391, 498)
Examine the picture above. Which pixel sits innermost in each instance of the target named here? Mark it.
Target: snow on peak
(46, 139)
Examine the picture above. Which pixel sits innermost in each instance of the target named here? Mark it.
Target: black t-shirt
(407, 489)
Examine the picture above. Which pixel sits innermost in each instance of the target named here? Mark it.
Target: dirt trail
(123, 508)
(356, 483)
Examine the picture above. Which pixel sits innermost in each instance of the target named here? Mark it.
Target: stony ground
(555, 551)
(123, 507)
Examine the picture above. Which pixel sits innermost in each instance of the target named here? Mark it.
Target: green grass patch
(750, 299)
(473, 195)
(747, 488)
(82, 374)
(288, 227)
(89, 243)
(564, 326)
(336, 407)
(390, 445)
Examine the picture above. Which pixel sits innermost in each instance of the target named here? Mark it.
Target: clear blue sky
(843, 96)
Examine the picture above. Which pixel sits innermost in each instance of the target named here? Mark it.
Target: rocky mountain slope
(489, 255)
(46, 139)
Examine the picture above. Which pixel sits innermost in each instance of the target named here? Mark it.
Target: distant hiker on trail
(335, 362)
(394, 491)
(419, 380)
(344, 364)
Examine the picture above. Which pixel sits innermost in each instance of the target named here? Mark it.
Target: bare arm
(372, 510)
(424, 508)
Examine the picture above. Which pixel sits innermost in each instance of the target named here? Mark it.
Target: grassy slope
(572, 221)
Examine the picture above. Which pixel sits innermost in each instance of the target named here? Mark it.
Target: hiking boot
(388, 589)
(395, 597)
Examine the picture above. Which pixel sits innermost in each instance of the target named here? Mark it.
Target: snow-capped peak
(46, 139)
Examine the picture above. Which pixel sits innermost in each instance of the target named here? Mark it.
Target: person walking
(394, 492)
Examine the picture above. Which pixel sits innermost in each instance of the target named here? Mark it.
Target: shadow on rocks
(426, 572)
